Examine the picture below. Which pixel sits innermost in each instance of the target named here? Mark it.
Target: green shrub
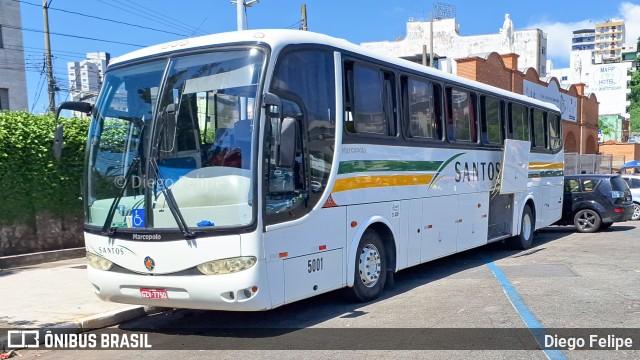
(31, 180)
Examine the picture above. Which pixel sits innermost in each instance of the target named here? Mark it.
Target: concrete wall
(48, 232)
(12, 70)
(629, 151)
(530, 45)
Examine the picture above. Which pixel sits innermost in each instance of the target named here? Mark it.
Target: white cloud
(559, 34)
(631, 15)
(559, 38)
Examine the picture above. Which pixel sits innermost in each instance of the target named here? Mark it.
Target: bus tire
(370, 268)
(524, 240)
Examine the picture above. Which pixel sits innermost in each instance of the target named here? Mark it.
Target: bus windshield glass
(171, 143)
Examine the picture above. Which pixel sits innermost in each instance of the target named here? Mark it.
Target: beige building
(609, 41)
(13, 79)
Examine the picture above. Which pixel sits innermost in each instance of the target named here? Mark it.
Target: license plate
(160, 294)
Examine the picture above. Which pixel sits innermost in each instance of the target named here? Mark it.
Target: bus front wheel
(370, 267)
(524, 240)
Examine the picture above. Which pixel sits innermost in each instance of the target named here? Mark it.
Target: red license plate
(160, 294)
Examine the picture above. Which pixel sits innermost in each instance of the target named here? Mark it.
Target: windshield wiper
(171, 201)
(108, 228)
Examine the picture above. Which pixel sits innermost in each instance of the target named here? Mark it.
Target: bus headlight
(98, 262)
(227, 266)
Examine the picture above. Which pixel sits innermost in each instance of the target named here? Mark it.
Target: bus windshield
(171, 143)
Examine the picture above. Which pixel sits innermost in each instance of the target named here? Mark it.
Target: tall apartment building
(529, 45)
(584, 39)
(609, 41)
(86, 76)
(13, 79)
(603, 70)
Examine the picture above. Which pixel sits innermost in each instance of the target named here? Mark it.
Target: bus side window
(555, 132)
(369, 100)
(518, 122)
(491, 112)
(539, 129)
(461, 116)
(421, 113)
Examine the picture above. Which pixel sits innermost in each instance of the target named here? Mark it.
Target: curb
(13, 261)
(99, 321)
(107, 319)
(115, 317)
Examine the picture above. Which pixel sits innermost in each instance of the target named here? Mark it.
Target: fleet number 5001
(315, 265)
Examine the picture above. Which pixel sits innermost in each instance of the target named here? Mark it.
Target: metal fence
(592, 164)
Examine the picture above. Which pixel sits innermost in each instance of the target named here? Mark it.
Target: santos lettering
(477, 171)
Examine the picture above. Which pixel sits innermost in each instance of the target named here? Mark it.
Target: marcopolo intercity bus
(247, 170)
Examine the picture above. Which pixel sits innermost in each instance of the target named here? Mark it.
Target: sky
(149, 22)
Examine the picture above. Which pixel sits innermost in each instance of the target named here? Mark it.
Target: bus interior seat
(230, 186)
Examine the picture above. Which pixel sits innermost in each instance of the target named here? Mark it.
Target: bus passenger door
(439, 230)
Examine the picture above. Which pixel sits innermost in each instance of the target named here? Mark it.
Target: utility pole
(304, 17)
(240, 14)
(49, 65)
(431, 40)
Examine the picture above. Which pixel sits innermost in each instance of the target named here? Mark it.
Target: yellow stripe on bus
(545, 165)
(362, 182)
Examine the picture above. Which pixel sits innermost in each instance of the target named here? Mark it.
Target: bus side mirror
(58, 138)
(287, 149)
(273, 104)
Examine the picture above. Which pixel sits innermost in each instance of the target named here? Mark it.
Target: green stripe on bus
(442, 167)
(354, 166)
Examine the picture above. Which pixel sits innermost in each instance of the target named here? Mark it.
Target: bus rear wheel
(524, 240)
(370, 268)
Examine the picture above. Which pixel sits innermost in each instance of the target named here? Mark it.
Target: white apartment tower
(86, 76)
(13, 79)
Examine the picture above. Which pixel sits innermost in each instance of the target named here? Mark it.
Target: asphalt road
(566, 280)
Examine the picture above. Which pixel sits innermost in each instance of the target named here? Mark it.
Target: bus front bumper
(242, 291)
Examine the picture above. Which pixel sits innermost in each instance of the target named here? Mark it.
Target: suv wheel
(587, 221)
(636, 211)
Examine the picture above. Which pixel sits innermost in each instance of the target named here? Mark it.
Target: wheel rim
(526, 227)
(587, 220)
(636, 211)
(370, 265)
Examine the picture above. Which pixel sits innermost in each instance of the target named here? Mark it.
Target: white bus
(247, 170)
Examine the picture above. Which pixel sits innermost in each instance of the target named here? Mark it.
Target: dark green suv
(595, 201)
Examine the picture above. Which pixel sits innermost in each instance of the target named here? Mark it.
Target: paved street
(567, 280)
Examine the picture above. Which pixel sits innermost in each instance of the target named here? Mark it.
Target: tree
(605, 127)
(634, 99)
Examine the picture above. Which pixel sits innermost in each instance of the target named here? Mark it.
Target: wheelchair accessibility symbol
(137, 218)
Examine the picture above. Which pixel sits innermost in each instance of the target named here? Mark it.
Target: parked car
(633, 180)
(595, 201)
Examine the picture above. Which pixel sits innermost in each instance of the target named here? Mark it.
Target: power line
(103, 19)
(16, 47)
(72, 36)
(146, 16)
(167, 18)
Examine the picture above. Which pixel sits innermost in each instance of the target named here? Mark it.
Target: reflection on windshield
(202, 142)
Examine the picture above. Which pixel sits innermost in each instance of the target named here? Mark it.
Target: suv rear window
(617, 184)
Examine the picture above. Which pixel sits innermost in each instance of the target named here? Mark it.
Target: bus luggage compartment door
(312, 274)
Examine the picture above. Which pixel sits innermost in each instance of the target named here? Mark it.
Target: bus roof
(278, 38)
